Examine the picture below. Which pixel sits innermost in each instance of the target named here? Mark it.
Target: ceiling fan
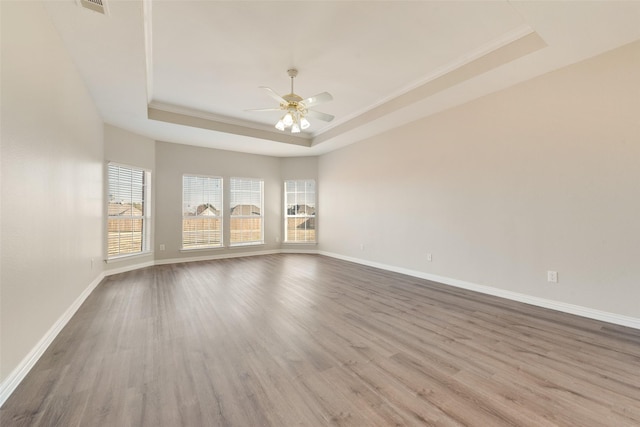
(296, 108)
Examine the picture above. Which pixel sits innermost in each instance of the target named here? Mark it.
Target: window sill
(211, 248)
(128, 256)
(244, 245)
(300, 243)
(217, 248)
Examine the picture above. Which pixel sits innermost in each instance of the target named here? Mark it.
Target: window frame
(145, 217)
(219, 216)
(288, 216)
(233, 244)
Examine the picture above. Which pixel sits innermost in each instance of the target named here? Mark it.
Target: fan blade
(318, 115)
(264, 109)
(317, 99)
(274, 95)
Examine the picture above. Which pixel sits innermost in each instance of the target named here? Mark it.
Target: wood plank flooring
(305, 340)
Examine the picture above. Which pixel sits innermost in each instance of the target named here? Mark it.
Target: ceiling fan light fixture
(295, 108)
(304, 123)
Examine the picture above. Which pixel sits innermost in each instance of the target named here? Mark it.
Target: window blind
(300, 211)
(201, 212)
(127, 216)
(246, 211)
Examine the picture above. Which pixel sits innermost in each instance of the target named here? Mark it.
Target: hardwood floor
(285, 340)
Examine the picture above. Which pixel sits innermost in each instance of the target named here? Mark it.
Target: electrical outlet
(362, 246)
(429, 257)
(552, 276)
(162, 247)
(92, 263)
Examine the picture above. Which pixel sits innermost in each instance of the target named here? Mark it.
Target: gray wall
(542, 176)
(175, 160)
(121, 146)
(52, 182)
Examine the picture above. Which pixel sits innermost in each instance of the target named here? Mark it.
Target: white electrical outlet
(429, 257)
(552, 276)
(362, 246)
(92, 263)
(162, 247)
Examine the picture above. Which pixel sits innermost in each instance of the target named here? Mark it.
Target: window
(201, 212)
(128, 213)
(246, 211)
(300, 215)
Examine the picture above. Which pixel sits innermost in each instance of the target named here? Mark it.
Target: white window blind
(201, 212)
(246, 211)
(300, 211)
(128, 210)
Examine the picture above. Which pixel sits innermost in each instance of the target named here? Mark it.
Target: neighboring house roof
(305, 209)
(301, 210)
(245, 210)
(123, 209)
(207, 210)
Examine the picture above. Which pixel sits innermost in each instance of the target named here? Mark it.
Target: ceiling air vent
(99, 6)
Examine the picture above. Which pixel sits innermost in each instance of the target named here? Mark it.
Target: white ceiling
(186, 71)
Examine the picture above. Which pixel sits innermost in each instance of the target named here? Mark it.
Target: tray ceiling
(186, 71)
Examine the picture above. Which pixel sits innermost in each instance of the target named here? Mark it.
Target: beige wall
(542, 176)
(299, 168)
(52, 182)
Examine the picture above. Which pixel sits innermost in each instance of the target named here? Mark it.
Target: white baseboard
(130, 267)
(618, 319)
(17, 375)
(20, 372)
(218, 256)
(299, 251)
